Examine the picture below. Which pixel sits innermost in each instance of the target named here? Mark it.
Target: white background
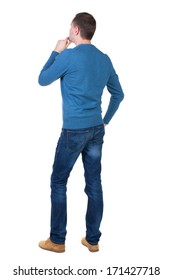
(137, 156)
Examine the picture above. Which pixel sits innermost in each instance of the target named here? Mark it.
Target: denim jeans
(87, 142)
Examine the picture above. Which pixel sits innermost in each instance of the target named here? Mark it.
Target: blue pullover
(84, 72)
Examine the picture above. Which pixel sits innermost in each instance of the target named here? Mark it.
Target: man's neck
(83, 41)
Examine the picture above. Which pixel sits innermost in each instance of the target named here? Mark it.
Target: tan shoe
(91, 248)
(51, 246)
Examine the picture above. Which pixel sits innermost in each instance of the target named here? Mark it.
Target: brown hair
(86, 24)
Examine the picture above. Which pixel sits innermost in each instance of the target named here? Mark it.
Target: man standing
(84, 72)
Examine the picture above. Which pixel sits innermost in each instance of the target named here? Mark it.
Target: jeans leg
(91, 156)
(63, 164)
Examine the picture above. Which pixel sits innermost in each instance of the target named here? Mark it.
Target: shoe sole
(62, 251)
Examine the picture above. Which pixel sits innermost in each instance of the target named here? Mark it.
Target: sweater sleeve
(54, 69)
(117, 95)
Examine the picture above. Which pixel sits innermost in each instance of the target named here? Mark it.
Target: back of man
(87, 73)
(84, 72)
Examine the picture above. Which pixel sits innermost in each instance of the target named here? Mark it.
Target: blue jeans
(71, 144)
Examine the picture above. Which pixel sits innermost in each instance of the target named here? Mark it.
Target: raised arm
(56, 64)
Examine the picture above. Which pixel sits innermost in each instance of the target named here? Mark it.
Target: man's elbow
(122, 96)
(42, 81)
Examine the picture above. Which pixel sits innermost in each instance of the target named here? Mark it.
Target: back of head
(86, 24)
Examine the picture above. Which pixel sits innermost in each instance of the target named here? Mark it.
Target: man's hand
(62, 45)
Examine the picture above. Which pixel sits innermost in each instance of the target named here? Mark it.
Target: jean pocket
(99, 134)
(76, 140)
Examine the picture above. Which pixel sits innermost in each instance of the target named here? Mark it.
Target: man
(84, 72)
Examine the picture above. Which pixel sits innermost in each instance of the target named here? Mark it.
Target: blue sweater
(84, 72)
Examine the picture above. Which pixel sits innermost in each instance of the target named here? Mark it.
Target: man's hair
(86, 24)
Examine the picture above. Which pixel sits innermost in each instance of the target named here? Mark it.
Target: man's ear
(77, 30)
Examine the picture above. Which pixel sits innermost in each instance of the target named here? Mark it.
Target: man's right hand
(62, 45)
